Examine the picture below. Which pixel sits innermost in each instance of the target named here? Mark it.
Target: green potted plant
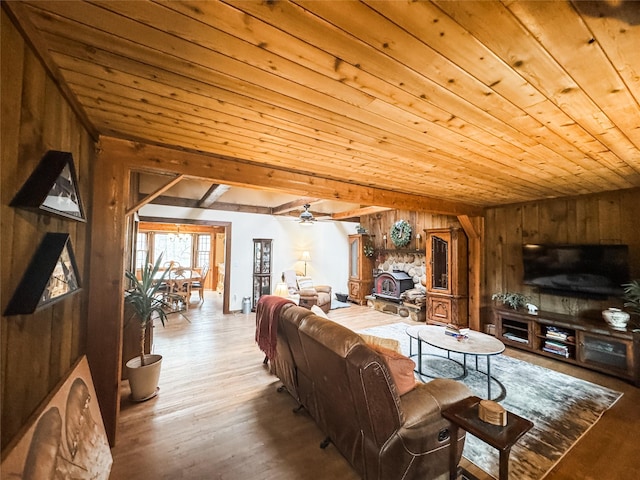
(367, 248)
(144, 297)
(511, 299)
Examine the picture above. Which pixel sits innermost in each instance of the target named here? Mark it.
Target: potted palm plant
(144, 296)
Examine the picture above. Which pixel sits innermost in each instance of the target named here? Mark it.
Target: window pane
(203, 250)
(142, 247)
(172, 247)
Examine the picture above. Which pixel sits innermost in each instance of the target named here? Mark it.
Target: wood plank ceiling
(479, 102)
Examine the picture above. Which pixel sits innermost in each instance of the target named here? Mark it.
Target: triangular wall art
(52, 187)
(51, 276)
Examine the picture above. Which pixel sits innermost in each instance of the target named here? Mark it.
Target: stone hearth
(417, 313)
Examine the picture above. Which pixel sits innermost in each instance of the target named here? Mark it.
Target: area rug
(563, 408)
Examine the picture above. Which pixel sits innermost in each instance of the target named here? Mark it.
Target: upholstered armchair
(309, 294)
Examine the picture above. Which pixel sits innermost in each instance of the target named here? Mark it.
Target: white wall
(326, 241)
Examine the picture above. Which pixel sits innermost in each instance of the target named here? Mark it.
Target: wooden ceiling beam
(154, 158)
(212, 195)
(152, 196)
(153, 225)
(358, 212)
(294, 205)
(222, 206)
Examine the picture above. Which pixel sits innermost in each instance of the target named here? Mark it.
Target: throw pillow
(318, 311)
(390, 343)
(400, 367)
(305, 282)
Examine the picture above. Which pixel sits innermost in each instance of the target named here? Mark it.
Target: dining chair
(180, 290)
(171, 265)
(198, 285)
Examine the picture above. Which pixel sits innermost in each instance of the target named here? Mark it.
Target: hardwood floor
(218, 414)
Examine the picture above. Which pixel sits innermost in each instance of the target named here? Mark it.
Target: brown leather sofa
(348, 390)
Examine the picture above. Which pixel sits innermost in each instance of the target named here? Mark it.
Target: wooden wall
(381, 223)
(601, 218)
(607, 218)
(37, 350)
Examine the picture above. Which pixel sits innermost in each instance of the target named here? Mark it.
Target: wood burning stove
(390, 285)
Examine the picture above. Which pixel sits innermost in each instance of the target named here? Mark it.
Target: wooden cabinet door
(439, 262)
(360, 270)
(439, 309)
(605, 353)
(354, 290)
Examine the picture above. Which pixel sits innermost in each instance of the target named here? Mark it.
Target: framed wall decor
(52, 187)
(65, 438)
(51, 276)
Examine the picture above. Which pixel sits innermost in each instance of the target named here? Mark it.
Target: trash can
(246, 305)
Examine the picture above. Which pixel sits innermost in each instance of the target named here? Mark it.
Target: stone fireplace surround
(413, 264)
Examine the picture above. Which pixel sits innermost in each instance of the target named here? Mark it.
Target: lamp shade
(281, 290)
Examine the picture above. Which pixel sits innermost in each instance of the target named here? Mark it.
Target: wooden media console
(587, 342)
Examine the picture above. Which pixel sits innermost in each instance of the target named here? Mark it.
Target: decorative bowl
(616, 318)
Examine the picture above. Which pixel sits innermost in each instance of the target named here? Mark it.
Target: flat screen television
(584, 270)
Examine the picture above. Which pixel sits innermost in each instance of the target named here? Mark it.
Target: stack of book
(558, 334)
(556, 348)
(515, 338)
(456, 331)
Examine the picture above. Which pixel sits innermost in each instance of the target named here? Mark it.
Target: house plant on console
(144, 370)
(511, 299)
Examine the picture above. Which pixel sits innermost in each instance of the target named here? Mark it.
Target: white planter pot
(143, 380)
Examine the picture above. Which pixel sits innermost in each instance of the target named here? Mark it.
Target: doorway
(202, 246)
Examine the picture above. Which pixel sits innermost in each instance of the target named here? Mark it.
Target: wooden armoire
(360, 270)
(447, 277)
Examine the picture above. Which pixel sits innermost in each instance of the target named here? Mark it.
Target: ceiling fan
(306, 217)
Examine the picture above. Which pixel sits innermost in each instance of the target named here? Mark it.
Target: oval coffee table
(414, 334)
(476, 343)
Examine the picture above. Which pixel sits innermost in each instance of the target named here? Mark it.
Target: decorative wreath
(401, 233)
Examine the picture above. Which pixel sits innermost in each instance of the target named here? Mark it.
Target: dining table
(178, 285)
(179, 274)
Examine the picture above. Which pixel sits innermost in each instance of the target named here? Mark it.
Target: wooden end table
(464, 414)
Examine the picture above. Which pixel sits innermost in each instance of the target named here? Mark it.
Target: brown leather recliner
(306, 292)
(319, 295)
(348, 390)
